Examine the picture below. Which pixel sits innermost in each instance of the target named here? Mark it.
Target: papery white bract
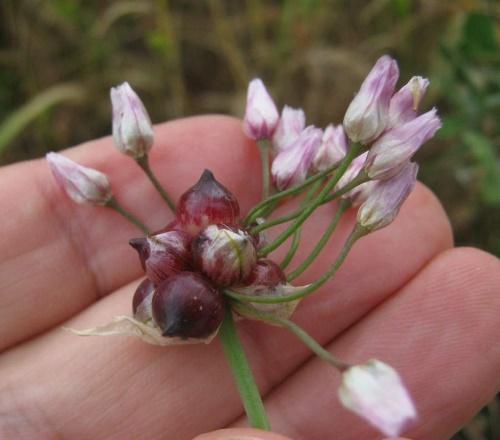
(261, 115)
(367, 114)
(375, 392)
(132, 128)
(291, 124)
(332, 149)
(81, 184)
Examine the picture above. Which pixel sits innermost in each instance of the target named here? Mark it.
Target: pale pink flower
(360, 193)
(332, 149)
(404, 104)
(291, 124)
(261, 115)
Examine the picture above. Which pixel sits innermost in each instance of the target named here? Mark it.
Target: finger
(59, 257)
(440, 332)
(241, 434)
(181, 392)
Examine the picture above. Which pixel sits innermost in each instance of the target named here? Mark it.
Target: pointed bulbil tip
(207, 176)
(141, 246)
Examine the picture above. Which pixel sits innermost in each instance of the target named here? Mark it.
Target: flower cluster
(211, 262)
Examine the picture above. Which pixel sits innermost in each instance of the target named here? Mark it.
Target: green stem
(242, 373)
(357, 233)
(264, 156)
(292, 251)
(343, 206)
(113, 204)
(254, 213)
(296, 330)
(304, 215)
(143, 162)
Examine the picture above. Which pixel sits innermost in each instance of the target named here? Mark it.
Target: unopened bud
(360, 193)
(291, 124)
(404, 104)
(375, 392)
(367, 114)
(290, 167)
(386, 197)
(332, 149)
(132, 129)
(187, 306)
(225, 255)
(163, 255)
(394, 149)
(81, 184)
(208, 202)
(261, 115)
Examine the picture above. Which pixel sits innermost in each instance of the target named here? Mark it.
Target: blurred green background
(59, 58)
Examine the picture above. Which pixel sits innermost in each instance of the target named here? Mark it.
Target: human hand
(403, 296)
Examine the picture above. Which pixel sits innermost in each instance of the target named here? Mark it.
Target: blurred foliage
(59, 58)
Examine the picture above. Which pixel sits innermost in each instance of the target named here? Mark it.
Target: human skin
(404, 296)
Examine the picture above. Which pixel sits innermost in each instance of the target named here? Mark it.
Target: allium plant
(213, 264)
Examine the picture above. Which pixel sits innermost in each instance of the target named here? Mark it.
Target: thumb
(241, 434)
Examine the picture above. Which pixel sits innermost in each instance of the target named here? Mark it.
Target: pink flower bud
(332, 149)
(225, 255)
(290, 167)
(141, 302)
(395, 148)
(208, 202)
(81, 184)
(261, 114)
(404, 104)
(187, 306)
(163, 255)
(132, 129)
(386, 197)
(367, 114)
(375, 392)
(361, 192)
(290, 125)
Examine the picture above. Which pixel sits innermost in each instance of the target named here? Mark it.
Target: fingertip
(241, 434)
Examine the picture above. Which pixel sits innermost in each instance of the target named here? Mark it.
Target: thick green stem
(143, 162)
(296, 330)
(113, 204)
(357, 233)
(343, 206)
(304, 215)
(242, 373)
(264, 156)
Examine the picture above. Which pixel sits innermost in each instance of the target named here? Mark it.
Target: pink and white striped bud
(404, 104)
(207, 202)
(290, 167)
(81, 184)
(360, 193)
(132, 129)
(332, 149)
(394, 149)
(386, 197)
(291, 124)
(224, 255)
(163, 255)
(375, 392)
(261, 115)
(367, 114)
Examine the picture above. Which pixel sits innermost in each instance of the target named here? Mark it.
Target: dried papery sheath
(332, 149)
(132, 128)
(127, 326)
(291, 124)
(224, 255)
(367, 114)
(207, 202)
(375, 392)
(141, 302)
(404, 104)
(187, 306)
(261, 115)
(394, 149)
(164, 254)
(386, 197)
(81, 184)
(290, 167)
(361, 192)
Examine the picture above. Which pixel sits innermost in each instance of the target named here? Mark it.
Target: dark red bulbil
(186, 305)
(266, 273)
(144, 289)
(206, 203)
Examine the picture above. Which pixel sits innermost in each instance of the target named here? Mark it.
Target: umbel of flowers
(212, 263)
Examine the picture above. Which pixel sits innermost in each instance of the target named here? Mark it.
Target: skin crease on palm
(403, 296)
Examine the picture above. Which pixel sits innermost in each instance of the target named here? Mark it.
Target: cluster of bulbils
(208, 249)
